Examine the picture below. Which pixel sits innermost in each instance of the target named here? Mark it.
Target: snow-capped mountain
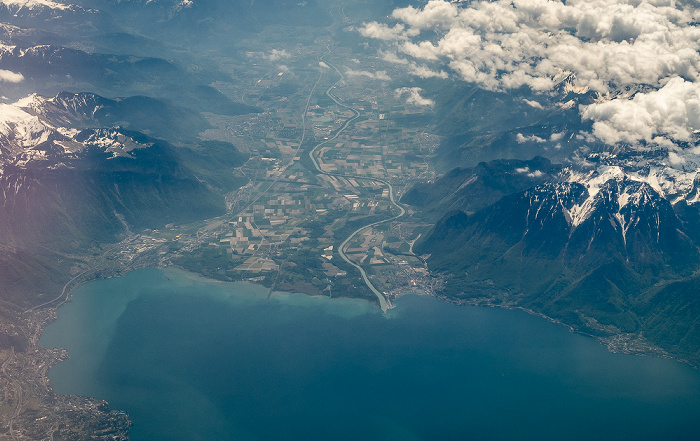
(53, 16)
(12, 35)
(605, 208)
(29, 131)
(62, 170)
(593, 245)
(69, 109)
(37, 8)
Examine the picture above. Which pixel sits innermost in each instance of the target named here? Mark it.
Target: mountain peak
(56, 126)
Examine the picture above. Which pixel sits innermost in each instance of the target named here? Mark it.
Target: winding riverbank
(384, 303)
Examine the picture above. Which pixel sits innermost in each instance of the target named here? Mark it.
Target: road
(384, 303)
(18, 392)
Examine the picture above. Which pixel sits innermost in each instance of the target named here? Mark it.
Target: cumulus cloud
(671, 113)
(534, 104)
(383, 32)
(507, 44)
(7, 76)
(276, 55)
(675, 159)
(414, 68)
(608, 46)
(412, 95)
(376, 75)
(426, 72)
(556, 136)
(521, 139)
(391, 57)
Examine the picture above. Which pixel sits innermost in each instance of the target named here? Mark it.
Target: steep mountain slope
(480, 125)
(471, 189)
(48, 69)
(207, 20)
(589, 249)
(159, 118)
(63, 18)
(65, 188)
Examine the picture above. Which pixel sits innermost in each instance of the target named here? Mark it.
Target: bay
(193, 359)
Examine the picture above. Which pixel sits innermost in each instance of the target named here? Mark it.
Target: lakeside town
(290, 228)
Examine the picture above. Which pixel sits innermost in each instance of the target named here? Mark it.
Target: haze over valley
(535, 155)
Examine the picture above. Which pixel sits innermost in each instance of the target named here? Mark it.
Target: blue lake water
(192, 359)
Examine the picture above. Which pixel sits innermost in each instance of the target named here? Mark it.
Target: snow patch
(33, 4)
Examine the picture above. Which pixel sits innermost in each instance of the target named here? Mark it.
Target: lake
(193, 359)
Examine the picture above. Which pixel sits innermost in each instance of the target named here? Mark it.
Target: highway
(384, 303)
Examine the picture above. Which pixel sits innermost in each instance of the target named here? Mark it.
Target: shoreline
(615, 343)
(608, 341)
(497, 323)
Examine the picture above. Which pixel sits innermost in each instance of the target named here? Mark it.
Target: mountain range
(69, 180)
(603, 239)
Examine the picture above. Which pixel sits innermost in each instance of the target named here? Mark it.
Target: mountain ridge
(599, 243)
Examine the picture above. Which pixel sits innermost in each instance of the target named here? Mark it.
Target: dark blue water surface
(192, 359)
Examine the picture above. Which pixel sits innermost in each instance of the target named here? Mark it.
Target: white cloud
(671, 113)
(423, 50)
(416, 69)
(382, 32)
(507, 44)
(425, 72)
(675, 159)
(531, 174)
(556, 136)
(323, 65)
(391, 57)
(435, 15)
(608, 46)
(534, 104)
(521, 139)
(276, 54)
(412, 95)
(377, 75)
(7, 76)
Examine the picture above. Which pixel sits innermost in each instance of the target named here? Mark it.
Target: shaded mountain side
(48, 70)
(124, 43)
(67, 63)
(67, 19)
(214, 162)
(590, 260)
(469, 149)
(155, 117)
(471, 189)
(29, 278)
(680, 300)
(480, 125)
(98, 195)
(64, 204)
(27, 37)
(208, 19)
(204, 98)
